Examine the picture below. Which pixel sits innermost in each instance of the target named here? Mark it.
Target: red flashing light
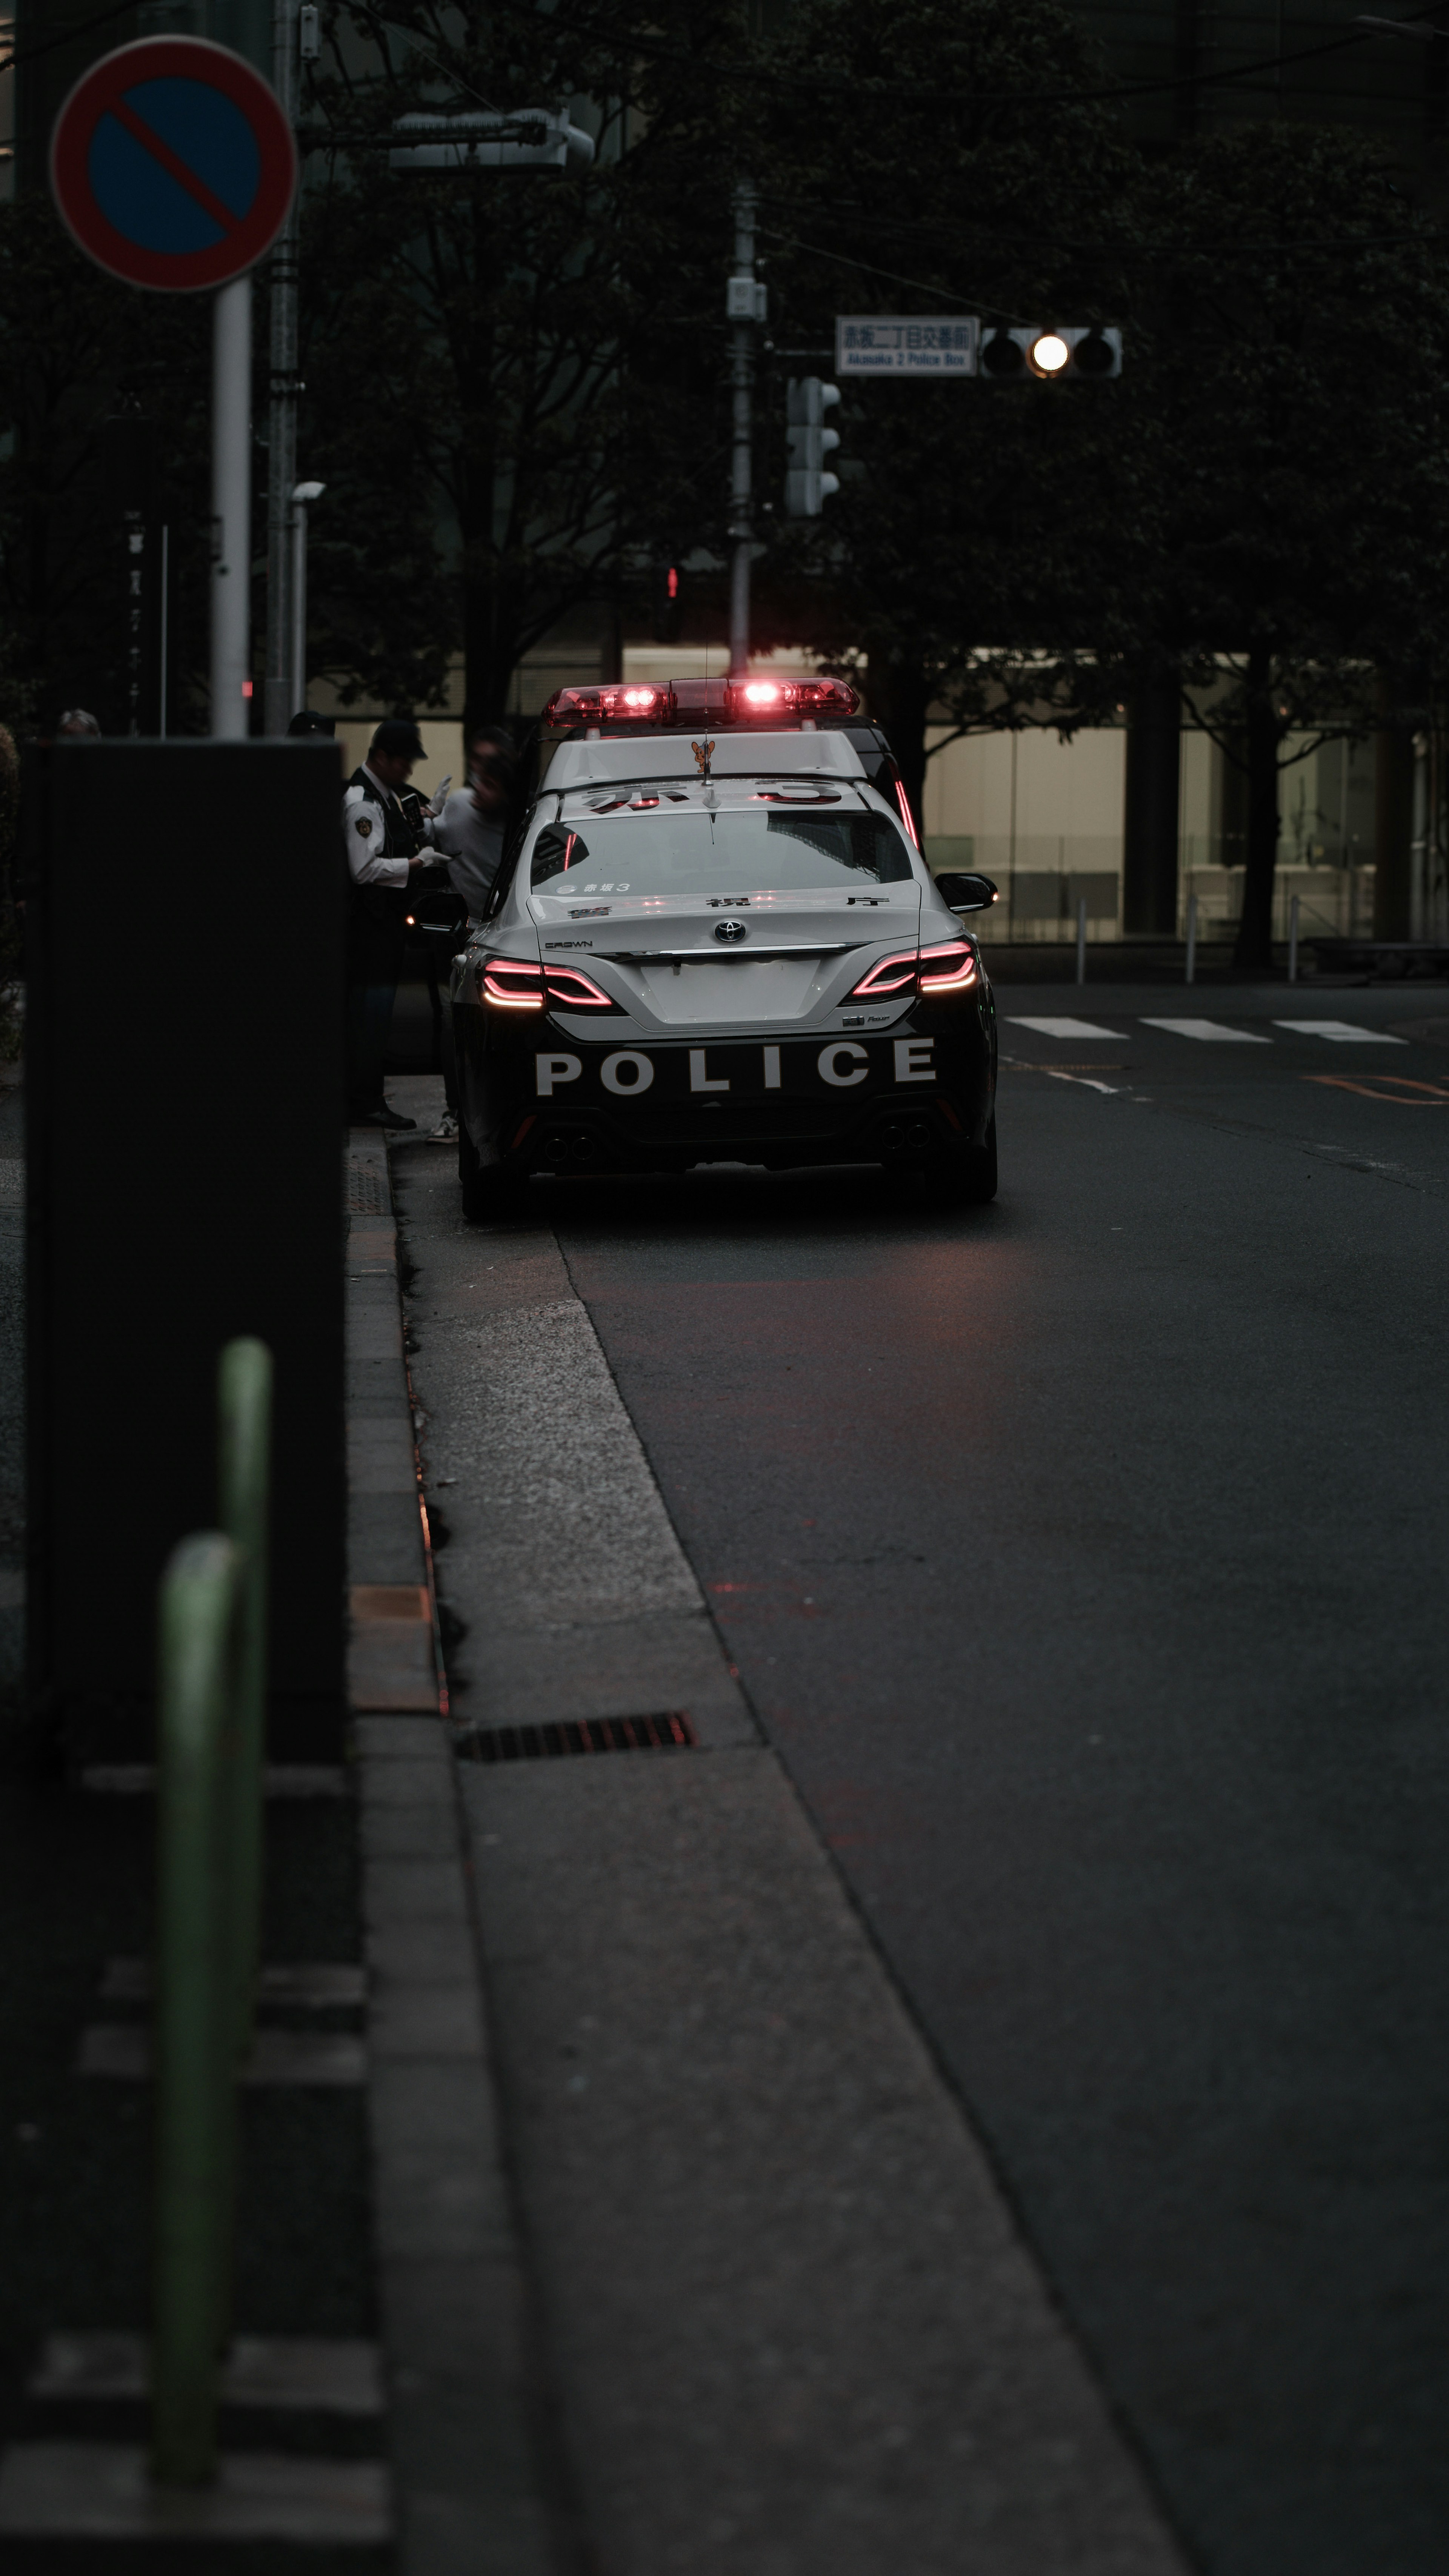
(907, 817)
(673, 581)
(789, 697)
(620, 702)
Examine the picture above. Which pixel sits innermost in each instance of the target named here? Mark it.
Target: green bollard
(244, 1445)
(195, 2103)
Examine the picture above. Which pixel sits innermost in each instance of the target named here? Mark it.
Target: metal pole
(1191, 939)
(282, 413)
(297, 658)
(742, 378)
(195, 2108)
(165, 623)
(1293, 939)
(231, 466)
(1082, 939)
(244, 1442)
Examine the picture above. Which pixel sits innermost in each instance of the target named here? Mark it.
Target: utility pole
(745, 307)
(282, 419)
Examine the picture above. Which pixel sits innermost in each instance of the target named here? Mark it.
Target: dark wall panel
(185, 1069)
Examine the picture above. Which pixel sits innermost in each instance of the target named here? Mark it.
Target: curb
(453, 2291)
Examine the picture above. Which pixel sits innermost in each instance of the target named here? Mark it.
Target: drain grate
(669, 1733)
(366, 1191)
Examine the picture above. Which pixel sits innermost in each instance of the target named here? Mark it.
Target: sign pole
(742, 378)
(231, 464)
(280, 702)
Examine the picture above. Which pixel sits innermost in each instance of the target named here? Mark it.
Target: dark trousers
(375, 935)
(369, 1017)
(444, 1052)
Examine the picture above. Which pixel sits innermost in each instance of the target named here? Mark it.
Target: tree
(1296, 356)
(72, 343)
(509, 414)
(985, 535)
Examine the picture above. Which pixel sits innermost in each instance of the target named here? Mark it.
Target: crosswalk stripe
(1062, 1028)
(1342, 1032)
(1208, 1029)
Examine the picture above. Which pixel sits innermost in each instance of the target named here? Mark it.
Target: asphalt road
(1083, 1556)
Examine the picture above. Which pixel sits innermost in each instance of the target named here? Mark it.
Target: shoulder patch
(362, 825)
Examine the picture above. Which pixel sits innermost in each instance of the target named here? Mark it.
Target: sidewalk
(784, 2324)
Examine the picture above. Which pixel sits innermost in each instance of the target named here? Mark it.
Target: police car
(716, 940)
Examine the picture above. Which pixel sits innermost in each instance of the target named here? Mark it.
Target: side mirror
(964, 891)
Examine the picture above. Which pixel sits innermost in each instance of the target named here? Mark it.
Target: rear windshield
(668, 852)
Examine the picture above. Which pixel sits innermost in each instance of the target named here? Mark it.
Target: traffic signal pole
(743, 306)
(282, 415)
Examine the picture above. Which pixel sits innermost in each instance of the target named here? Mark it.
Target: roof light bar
(619, 702)
(766, 698)
(665, 702)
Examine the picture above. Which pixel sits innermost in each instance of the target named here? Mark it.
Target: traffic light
(806, 483)
(1086, 350)
(668, 603)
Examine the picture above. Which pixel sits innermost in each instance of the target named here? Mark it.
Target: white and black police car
(715, 939)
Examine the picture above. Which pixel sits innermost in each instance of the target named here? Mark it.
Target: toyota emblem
(730, 930)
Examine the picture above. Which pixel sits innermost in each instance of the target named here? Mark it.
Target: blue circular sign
(173, 164)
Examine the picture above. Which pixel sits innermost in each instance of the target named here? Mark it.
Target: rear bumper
(543, 1099)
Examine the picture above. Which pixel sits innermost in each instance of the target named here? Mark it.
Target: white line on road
(1084, 1079)
(1209, 1029)
(1342, 1032)
(1062, 1028)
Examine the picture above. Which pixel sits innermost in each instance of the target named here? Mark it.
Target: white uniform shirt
(363, 832)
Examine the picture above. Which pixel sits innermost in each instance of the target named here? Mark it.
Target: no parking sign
(173, 164)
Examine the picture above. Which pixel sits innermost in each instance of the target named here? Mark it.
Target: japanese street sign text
(906, 344)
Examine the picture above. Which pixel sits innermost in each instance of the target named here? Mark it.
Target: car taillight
(948, 969)
(619, 702)
(888, 975)
(576, 990)
(511, 985)
(907, 817)
(789, 697)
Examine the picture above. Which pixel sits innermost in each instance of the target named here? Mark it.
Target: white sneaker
(447, 1132)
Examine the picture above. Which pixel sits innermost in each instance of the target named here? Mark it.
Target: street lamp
(303, 495)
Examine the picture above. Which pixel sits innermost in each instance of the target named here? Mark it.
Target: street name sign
(172, 164)
(906, 344)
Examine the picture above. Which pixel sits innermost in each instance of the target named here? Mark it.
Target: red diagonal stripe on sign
(174, 167)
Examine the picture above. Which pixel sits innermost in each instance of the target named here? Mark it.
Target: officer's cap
(399, 737)
(307, 720)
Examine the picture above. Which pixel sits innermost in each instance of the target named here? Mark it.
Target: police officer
(385, 846)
